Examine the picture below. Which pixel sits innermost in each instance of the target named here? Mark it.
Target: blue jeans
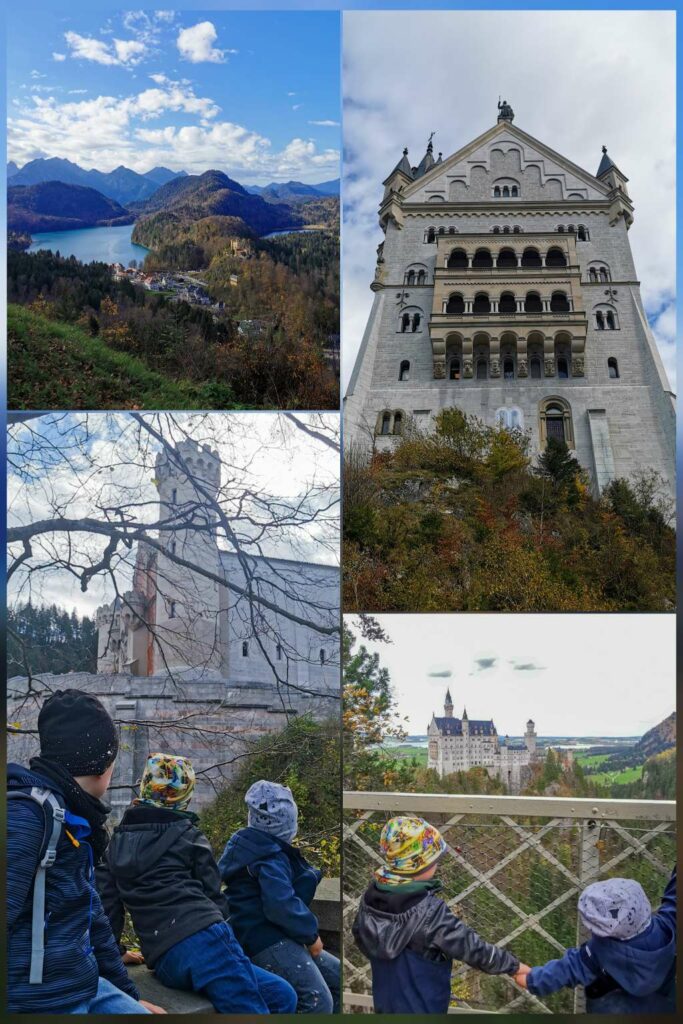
(213, 962)
(109, 999)
(619, 1002)
(316, 979)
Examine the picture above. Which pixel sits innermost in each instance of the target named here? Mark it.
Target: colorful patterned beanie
(409, 845)
(167, 781)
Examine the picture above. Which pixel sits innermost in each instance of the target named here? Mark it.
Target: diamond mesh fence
(516, 880)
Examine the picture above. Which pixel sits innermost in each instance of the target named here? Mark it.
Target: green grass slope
(54, 365)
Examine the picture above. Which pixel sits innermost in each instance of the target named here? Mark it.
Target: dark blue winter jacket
(640, 966)
(270, 886)
(79, 944)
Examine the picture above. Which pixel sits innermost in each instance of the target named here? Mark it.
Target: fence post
(589, 869)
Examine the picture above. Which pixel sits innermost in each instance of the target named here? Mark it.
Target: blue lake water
(290, 231)
(108, 244)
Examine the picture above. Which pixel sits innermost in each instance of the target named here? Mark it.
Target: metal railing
(514, 869)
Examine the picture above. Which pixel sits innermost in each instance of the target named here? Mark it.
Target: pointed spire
(606, 164)
(464, 715)
(427, 161)
(448, 699)
(404, 165)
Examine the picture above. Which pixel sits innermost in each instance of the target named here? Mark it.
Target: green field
(618, 777)
(408, 751)
(590, 760)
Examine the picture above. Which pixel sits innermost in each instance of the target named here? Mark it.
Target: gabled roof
(501, 128)
(453, 727)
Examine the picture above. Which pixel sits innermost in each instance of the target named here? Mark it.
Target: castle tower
(530, 737)
(465, 723)
(448, 704)
(505, 286)
(190, 618)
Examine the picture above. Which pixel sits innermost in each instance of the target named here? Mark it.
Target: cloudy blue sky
(255, 94)
(576, 80)
(620, 680)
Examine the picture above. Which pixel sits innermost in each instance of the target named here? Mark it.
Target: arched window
(398, 423)
(559, 303)
(560, 228)
(410, 277)
(322, 655)
(421, 276)
(556, 421)
(514, 191)
(416, 321)
(536, 368)
(506, 191)
(604, 275)
(278, 652)
(455, 305)
(613, 368)
(510, 418)
(517, 230)
(496, 191)
(562, 368)
(171, 609)
(531, 258)
(609, 320)
(506, 230)
(481, 303)
(496, 231)
(442, 231)
(507, 303)
(404, 372)
(482, 260)
(174, 496)
(593, 274)
(506, 258)
(405, 322)
(533, 303)
(508, 368)
(555, 258)
(386, 423)
(454, 369)
(451, 231)
(582, 234)
(431, 235)
(570, 228)
(599, 321)
(245, 648)
(457, 260)
(482, 369)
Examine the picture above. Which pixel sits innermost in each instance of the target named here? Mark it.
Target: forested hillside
(54, 206)
(45, 638)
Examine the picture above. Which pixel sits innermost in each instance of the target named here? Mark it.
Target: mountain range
(661, 737)
(126, 186)
(56, 206)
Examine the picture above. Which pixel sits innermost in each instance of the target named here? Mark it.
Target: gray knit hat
(615, 909)
(272, 809)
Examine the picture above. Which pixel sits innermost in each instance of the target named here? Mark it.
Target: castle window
(451, 231)
(455, 305)
(559, 303)
(245, 648)
(609, 319)
(599, 321)
(560, 228)
(532, 303)
(562, 368)
(171, 609)
(481, 304)
(556, 421)
(278, 652)
(506, 231)
(531, 258)
(482, 369)
(506, 192)
(421, 276)
(398, 423)
(457, 260)
(174, 496)
(517, 230)
(496, 191)
(536, 368)
(496, 231)
(404, 372)
(454, 369)
(410, 277)
(431, 235)
(405, 322)
(555, 258)
(174, 545)
(442, 231)
(514, 191)
(583, 235)
(507, 303)
(482, 260)
(604, 275)
(416, 321)
(322, 656)
(386, 423)
(613, 368)
(506, 258)
(508, 369)
(593, 274)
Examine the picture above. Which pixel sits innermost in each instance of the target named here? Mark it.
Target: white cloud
(129, 51)
(196, 44)
(37, 74)
(622, 83)
(325, 124)
(297, 106)
(59, 56)
(122, 52)
(77, 92)
(291, 94)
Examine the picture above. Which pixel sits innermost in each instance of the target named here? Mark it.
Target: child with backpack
(61, 954)
(629, 963)
(408, 933)
(270, 886)
(164, 872)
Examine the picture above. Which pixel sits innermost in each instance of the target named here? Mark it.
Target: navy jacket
(270, 886)
(411, 939)
(641, 966)
(79, 944)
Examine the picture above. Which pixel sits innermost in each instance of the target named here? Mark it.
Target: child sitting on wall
(270, 886)
(408, 933)
(629, 963)
(166, 876)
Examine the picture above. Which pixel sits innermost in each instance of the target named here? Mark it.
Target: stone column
(522, 363)
(549, 356)
(467, 357)
(578, 349)
(439, 356)
(494, 357)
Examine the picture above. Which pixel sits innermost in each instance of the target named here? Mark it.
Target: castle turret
(189, 613)
(530, 737)
(448, 705)
(609, 174)
(465, 723)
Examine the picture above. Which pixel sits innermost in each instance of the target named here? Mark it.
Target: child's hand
(521, 975)
(317, 947)
(152, 1007)
(132, 956)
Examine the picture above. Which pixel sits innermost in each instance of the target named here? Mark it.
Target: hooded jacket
(411, 939)
(79, 944)
(270, 887)
(164, 872)
(640, 966)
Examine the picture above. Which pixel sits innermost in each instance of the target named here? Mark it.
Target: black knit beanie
(77, 733)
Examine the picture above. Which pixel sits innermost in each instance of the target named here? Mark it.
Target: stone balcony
(514, 868)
